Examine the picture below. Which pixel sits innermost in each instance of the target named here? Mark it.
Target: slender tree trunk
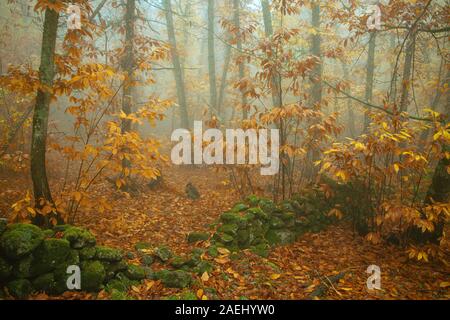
(177, 70)
(237, 23)
(211, 59)
(268, 29)
(316, 90)
(407, 69)
(370, 75)
(351, 115)
(223, 83)
(41, 189)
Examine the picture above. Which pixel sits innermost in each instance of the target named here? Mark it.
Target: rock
(142, 246)
(79, 238)
(203, 266)
(5, 269)
(174, 279)
(20, 240)
(88, 253)
(49, 254)
(178, 262)
(197, 236)
(267, 205)
(261, 249)
(147, 260)
(19, 288)
(243, 237)
(149, 274)
(252, 200)
(213, 252)
(116, 284)
(230, 218)
(258, 213)
(135, 272)
(130, 255)
(230, 229)
(3, 225)
(276, 223)
(239, 207)
(45, 283)
(112, 268)
(108, 254)
(163, 253)
(192, 192)
(92, 275)
(22, 267)
(224, 238)
(280, 236)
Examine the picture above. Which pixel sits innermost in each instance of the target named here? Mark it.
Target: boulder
(20, 240)
(230, 229)
(92, 275)
(79, 238)
(135, 272)
(142, 246)
(280, 236)
(239, 207)
(22, 267)
(87, 253)
(108, 254)
(231, 218)
(174, 279)
(112, 268)
(197, 236)
(252, 200)
(19, 288)
(5, 269)
(147, 260)
(49, 254)
(261, 249)
(276, 223)
(45, 283)
(163, 253)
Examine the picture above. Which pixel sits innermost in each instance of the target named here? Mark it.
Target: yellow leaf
(223, 251)
(275, 276)
(199, 293)
(204, 297)
(205, 276)
(444, 284)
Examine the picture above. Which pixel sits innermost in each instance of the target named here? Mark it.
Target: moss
(135, 272)
(22, 267)
(112, 268)
(45, 283)
(49, 254)
(261, 250)
(212, 251)
(119, 295)
(5, 269)
(92, 275)
(197, 236)
(230, 229)
(3, 224)
(108, 254)
(118, 284)
(178, 262)
(142, 246)
(202, 266)
(258, 213)
(280, 236)
(276, 223)
(20, 240)
(231, 218)
(87, 253)
(79, 238)
(188, 295)
(147, 260)
(239, 207)
(163, 253)
(19, 288)
(49, 233)
(174, 279)
(252, 200)
(267, 205)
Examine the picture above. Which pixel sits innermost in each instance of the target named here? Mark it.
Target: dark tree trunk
(41, 189)
(407, 69)
(211, 59)
(177, 70)
(370, 75)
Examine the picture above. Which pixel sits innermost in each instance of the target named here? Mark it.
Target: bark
(407, 69)
(41, 187)
(177, 70)
(223, 83)
(237, 23)
(268, 29)
(351, 115)
(370, 75)
(211, 59)
(316, 90)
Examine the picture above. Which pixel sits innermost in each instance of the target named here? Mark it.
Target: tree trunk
(211, 59)
(237, 23)
(351, 115)
(41, 189)
(370, 75)
(179, 75)
(223, 83)
(316, 90)
(407, 68)
(268, 29)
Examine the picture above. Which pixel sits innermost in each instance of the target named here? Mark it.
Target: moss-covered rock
(49, 254)
(258, 213)
(112, 268)
(261, 249)
(239, 207)
(22, 267)
(230, 218)
(117, 284)
(19, 288)
(212, 251)
(119, 295)
(147, 260)
(197, 236)
(252, 200)
(203, 266)
(224, 238)
(87, 253)
(79, 238)
(3, 225)
(45, 283)
(276, 223)
(135, 272)
(178, 262)
(142, 246)
(20, 240)
(163, 253)
(108, 254)
(174, 279)
(267, 205)
(5, 269)
(92, 275)
(280, 236)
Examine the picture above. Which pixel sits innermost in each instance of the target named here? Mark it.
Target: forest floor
(166, 216)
